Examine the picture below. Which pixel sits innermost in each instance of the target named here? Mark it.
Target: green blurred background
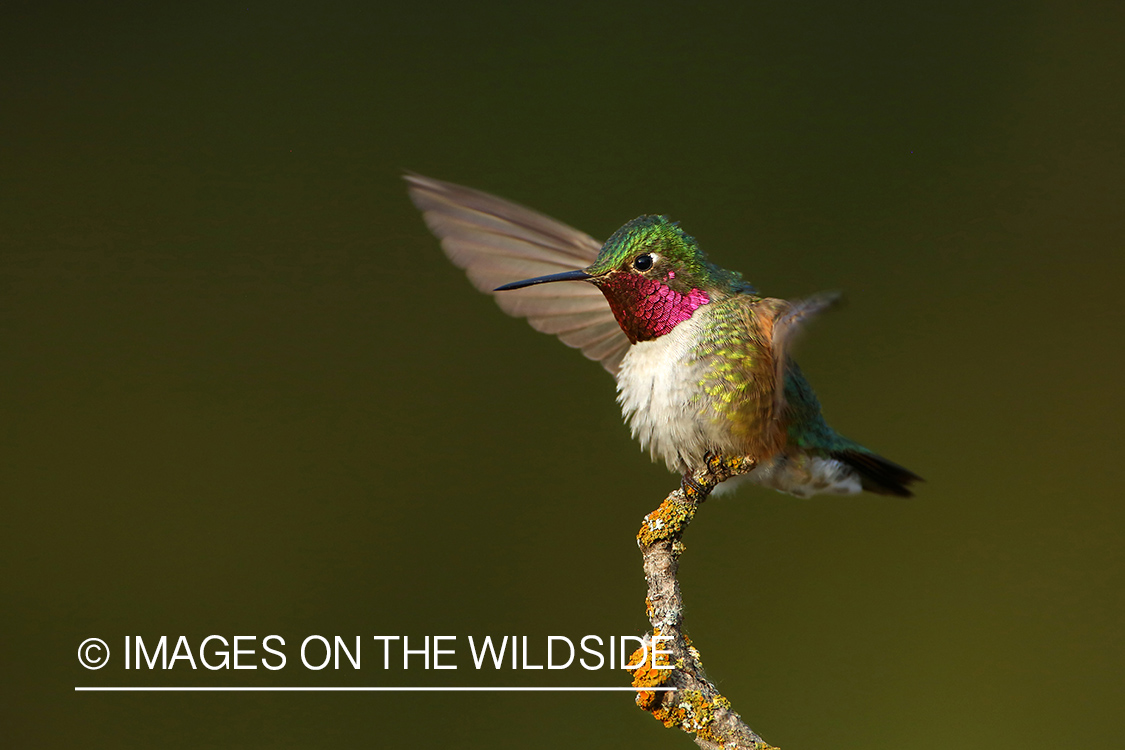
(243, 392)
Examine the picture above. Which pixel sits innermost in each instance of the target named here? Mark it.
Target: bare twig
(696, 705)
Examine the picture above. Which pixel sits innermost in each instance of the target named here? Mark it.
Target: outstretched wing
(498, 242)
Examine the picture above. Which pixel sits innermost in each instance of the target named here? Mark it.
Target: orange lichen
(667, 521)
(654, 671)
(690, 710)
(675, 513)
(674, 690)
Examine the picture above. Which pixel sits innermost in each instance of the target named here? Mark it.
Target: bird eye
(643, 262)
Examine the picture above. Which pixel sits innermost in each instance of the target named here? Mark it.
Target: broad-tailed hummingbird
(702, 362)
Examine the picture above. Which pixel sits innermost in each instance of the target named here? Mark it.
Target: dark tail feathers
(877, 474)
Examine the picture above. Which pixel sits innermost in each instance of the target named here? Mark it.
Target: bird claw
(694, 489)
(698, 484)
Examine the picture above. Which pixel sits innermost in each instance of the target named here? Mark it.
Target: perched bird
(701, 360)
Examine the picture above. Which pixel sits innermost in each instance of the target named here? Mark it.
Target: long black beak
(578, 275)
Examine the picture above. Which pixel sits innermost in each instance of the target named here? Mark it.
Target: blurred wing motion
(498, 242)
(786, 329)
(796, 400)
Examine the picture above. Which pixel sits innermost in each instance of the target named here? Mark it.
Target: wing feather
(497, 242)
(786, 327)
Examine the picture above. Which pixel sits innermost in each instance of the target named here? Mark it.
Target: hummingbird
(702, 362)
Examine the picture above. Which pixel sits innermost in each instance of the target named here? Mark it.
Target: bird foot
(695, 490)
(698, 484)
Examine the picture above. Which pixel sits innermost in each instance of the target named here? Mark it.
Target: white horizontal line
(368, 689)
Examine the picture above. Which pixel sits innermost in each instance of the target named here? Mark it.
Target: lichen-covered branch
(696, 705)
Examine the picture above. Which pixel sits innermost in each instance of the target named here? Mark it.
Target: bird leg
(694, 490)
(698, 484)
